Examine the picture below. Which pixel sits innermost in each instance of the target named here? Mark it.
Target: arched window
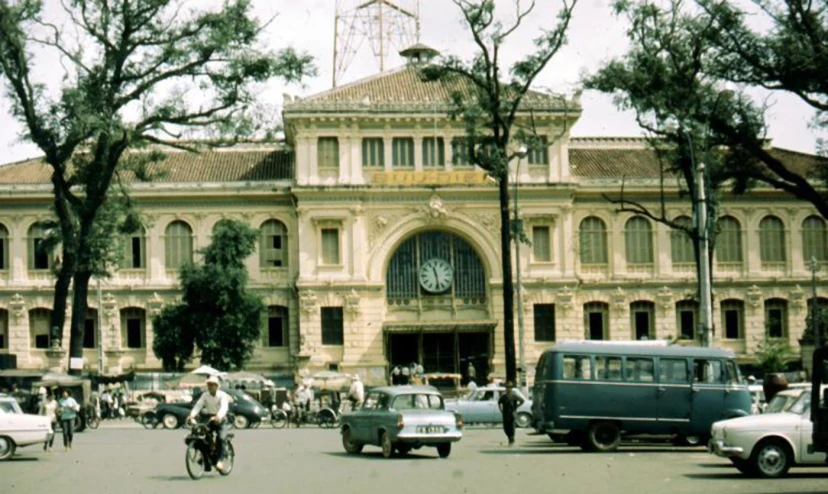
(638, 236)
(90, 328)
(4, 329)
(4, 247)
(39, 320)
(178, 244)
(681, 245)
(277, 326)
(642, 320)
(39, 258)
(135, 250)
(273, 245)
(133, 325)
(733, 319)
(687, 313)
(814, 239)
(593, 241)
(596, 321)
(776, 318)
(729, 240)
(772, 240)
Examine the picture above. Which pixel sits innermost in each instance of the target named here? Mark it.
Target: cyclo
(202, 450)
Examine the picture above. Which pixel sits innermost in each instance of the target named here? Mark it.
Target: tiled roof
(182, 167)
(403, 90)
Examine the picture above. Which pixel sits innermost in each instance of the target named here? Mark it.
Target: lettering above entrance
(430, 178)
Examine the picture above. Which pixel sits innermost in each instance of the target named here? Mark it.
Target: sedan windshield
(418, 401)
(802, 405)
(779, 403)
(9, 407)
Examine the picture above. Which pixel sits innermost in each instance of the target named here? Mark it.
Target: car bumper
(414, 438)
(719, 448)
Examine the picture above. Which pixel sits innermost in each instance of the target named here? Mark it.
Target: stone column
(19, 338)
(355, 150)
(418, 153)
(345, 169)
(313, 159)
(302, 168)
(387, 142)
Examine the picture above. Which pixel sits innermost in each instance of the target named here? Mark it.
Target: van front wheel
(603, 436)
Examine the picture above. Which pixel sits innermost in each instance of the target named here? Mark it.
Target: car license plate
(430, 429)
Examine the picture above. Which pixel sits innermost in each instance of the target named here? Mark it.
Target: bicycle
(93, 418)
(202, 447)
(279, 418)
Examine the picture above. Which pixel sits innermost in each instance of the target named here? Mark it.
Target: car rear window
(577, 367)
(418, 401)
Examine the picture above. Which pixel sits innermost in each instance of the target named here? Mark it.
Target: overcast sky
(595, 36)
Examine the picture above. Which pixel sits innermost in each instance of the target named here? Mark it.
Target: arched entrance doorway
(438, 311)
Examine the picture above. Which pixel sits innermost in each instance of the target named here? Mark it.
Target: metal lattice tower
(387, 25)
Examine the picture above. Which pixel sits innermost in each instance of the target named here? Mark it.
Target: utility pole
(100, 329)
(814, 264)
(705, 304)
(517, 231)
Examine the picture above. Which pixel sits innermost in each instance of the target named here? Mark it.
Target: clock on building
(436, 275)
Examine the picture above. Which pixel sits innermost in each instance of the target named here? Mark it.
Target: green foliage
(216, 315)
(697, 65)
(773, 355)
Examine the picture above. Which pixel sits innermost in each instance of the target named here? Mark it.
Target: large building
(380, 243)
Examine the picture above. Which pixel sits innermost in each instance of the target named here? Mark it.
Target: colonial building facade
(379, 244)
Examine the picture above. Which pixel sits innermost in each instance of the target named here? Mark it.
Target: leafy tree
(217, 315)
(705, 62)
(491, 111)
(135, 73)
(774, 355)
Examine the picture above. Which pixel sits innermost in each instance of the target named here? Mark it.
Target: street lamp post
(705, 304)
(100, 329)
(814, 264)
(517, 230)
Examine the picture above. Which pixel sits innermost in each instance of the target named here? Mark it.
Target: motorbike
(202, 451)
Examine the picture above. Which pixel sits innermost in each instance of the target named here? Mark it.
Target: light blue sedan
(480, 407)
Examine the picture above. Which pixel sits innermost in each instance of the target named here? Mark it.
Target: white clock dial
(436, 275)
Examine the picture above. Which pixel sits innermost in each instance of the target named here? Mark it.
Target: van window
(640, 369)
(707, 371)
(608, 368)
(672, 370)
(577, 367)
(733, 376)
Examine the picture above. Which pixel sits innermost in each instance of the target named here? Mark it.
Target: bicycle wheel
(229, 460)
(148, 420)
(279, 419)
(195, 462)
(93, 422)
(326, 419)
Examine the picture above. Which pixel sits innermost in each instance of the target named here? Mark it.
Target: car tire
(523, 420)
(603, 436)
(170, 421)
(744, 466)
(386, 445)
(771, 458)
(241, 422)
(351, 447)
(689, 441)
(7, 448)
(444, 450)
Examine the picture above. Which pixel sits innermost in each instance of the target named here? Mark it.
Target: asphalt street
(124, 460)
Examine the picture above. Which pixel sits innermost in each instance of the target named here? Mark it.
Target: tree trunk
(508, 287)
(80, 295)
(64, 280)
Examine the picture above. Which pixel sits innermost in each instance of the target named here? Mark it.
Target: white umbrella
(330, 380)
(207, 371)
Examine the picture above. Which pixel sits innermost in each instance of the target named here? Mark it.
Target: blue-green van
(590, 394)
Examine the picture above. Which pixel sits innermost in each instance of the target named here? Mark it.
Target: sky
(595, 37)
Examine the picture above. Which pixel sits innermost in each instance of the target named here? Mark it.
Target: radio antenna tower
(387, 25)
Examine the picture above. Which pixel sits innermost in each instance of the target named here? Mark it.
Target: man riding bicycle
(215, 404)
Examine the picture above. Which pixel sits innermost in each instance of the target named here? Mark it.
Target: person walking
(106, 404)
(49, 409)
(508, 404)
(406, 373)
(356, 394)
(69, 409)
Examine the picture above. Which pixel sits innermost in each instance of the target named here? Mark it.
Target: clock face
(436, 275)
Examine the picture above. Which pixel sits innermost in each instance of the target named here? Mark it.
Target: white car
(768, 445)
(480, 406)
(18, 429)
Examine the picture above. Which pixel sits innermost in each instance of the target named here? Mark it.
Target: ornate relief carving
(665, 299)
(18, 307)
(377, 225)
(619, 300)
(754, 296)
(797, 297)
(565, 299)
(434, 212)
(155, 303)
(352, 307)
(490, 221)
(308, 303)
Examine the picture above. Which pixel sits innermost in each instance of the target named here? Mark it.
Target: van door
(674, 396)
(708, 393)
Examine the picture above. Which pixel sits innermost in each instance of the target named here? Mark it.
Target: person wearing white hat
(215, 403)
(356, 394)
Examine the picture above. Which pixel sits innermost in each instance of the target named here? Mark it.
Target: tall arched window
(687, 313)
(681, 245)
(135, 250)
(39, 320)
(4, 329)
(90, 328)
(4, 247)
(593, 241)
(133, 324)
(729, 240)
(776, 318)
(772, 240)
(276, 334)
(273, 245)
(39, 257)
(178, 244)
(638, 240)
(814, 239)
(596, 321)
(642, 320)
(733, 319)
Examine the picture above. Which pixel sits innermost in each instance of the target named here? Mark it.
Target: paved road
(131, 460)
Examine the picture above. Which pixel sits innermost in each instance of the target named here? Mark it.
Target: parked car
(246, 412)
(18, 429)
(480, 407)
(402, 418)
(768, 445)
(783, 400)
